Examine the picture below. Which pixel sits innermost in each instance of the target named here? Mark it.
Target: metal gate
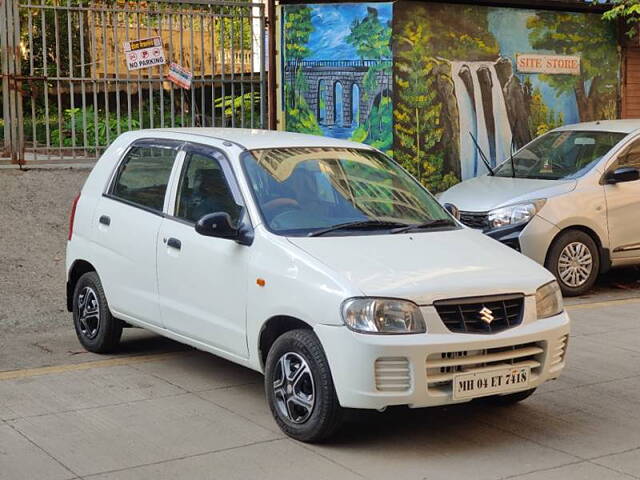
(67, 91)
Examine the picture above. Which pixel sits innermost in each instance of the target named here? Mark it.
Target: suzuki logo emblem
(486, 315)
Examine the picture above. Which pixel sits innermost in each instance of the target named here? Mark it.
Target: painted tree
(297, 31)
(372, 41)
(594, 40)
(417, 111)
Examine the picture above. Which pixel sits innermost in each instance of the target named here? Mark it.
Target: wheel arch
(605, 259)
(273, 328)
(78, 268)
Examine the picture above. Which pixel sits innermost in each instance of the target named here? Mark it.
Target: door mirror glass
(623, 174)
(453, 210)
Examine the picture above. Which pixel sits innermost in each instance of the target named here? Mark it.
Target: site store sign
(144, 53)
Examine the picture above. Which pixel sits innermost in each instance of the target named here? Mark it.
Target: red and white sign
(180, 75)
(549, 64)
(144, 53)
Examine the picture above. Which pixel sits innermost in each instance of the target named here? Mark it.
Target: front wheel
(300, 389)
(575, 261)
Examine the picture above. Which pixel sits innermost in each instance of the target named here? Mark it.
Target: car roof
(620, 126)
(258, 139)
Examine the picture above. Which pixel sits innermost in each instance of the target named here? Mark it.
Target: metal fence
(67, 91)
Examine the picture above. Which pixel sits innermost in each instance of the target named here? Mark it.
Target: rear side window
(143, 176)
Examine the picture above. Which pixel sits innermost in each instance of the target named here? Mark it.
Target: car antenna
(513, 163)
(483, 156)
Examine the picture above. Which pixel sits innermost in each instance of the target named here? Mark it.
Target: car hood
(485, 193)
(428, 266)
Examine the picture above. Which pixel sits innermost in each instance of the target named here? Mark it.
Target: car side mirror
(220, 225)
(622, 174)
(453, 210)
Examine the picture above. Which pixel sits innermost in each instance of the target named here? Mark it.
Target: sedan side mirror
(453, 210)
(622, 174)
(220, 225)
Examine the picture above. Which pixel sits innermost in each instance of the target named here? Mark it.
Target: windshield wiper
(483, 157)
(419, 226)
(358, 224)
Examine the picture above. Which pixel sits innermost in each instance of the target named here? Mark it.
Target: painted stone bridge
(329, 76)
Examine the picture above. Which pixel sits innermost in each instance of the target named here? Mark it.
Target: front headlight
(515, 214)
(382, 315)
(549, 300)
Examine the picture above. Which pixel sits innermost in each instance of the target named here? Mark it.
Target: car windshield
(560, 155)
(338, 191)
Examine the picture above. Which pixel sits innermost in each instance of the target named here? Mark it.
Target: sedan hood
(485, 193)
(428, 266)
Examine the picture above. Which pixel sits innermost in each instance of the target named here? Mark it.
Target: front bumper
(377, 371)
(532, 239)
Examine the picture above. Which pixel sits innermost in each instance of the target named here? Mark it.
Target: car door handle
(174, 243)
(105, 220)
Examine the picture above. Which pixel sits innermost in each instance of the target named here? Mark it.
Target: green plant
(626, 10)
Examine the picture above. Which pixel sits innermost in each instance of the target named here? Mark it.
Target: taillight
(73, 215)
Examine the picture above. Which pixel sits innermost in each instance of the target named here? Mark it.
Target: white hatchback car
(571, 202)
(319, 262)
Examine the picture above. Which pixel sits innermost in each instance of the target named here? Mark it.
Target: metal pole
(4, 70)
(271, 74)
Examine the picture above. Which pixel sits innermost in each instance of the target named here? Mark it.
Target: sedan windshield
(560, 155)
(338, 191)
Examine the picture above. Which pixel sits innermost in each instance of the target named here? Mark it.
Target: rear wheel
(97, 330)
(300, 389)
(575, 261)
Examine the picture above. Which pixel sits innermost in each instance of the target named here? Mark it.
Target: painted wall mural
(418, 80)
(455, 76)
(337, 71)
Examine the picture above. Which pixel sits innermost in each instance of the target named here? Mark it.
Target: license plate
(490, 382)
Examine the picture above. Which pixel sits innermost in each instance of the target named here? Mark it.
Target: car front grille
(476, 220)
(441, 367)
(483, 315)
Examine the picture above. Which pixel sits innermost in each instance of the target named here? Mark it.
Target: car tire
(299, 387)
(574, 259)
(511, 398)
(97, 330)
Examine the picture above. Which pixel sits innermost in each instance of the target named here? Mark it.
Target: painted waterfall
(482, 114)
(454, 76)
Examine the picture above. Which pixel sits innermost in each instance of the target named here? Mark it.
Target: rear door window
(143, 176)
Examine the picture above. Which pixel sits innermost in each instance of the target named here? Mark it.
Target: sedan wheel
(575, 261)
(575, 264)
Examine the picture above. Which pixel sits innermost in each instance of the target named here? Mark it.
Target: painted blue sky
(332, 23)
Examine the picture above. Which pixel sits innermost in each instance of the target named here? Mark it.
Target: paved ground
(159, 410)
(187, 414)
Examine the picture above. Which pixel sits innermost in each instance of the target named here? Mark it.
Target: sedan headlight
(382, 315)
(549, 300)
(515, 214)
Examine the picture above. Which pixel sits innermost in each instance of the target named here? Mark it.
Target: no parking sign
(144, 53)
